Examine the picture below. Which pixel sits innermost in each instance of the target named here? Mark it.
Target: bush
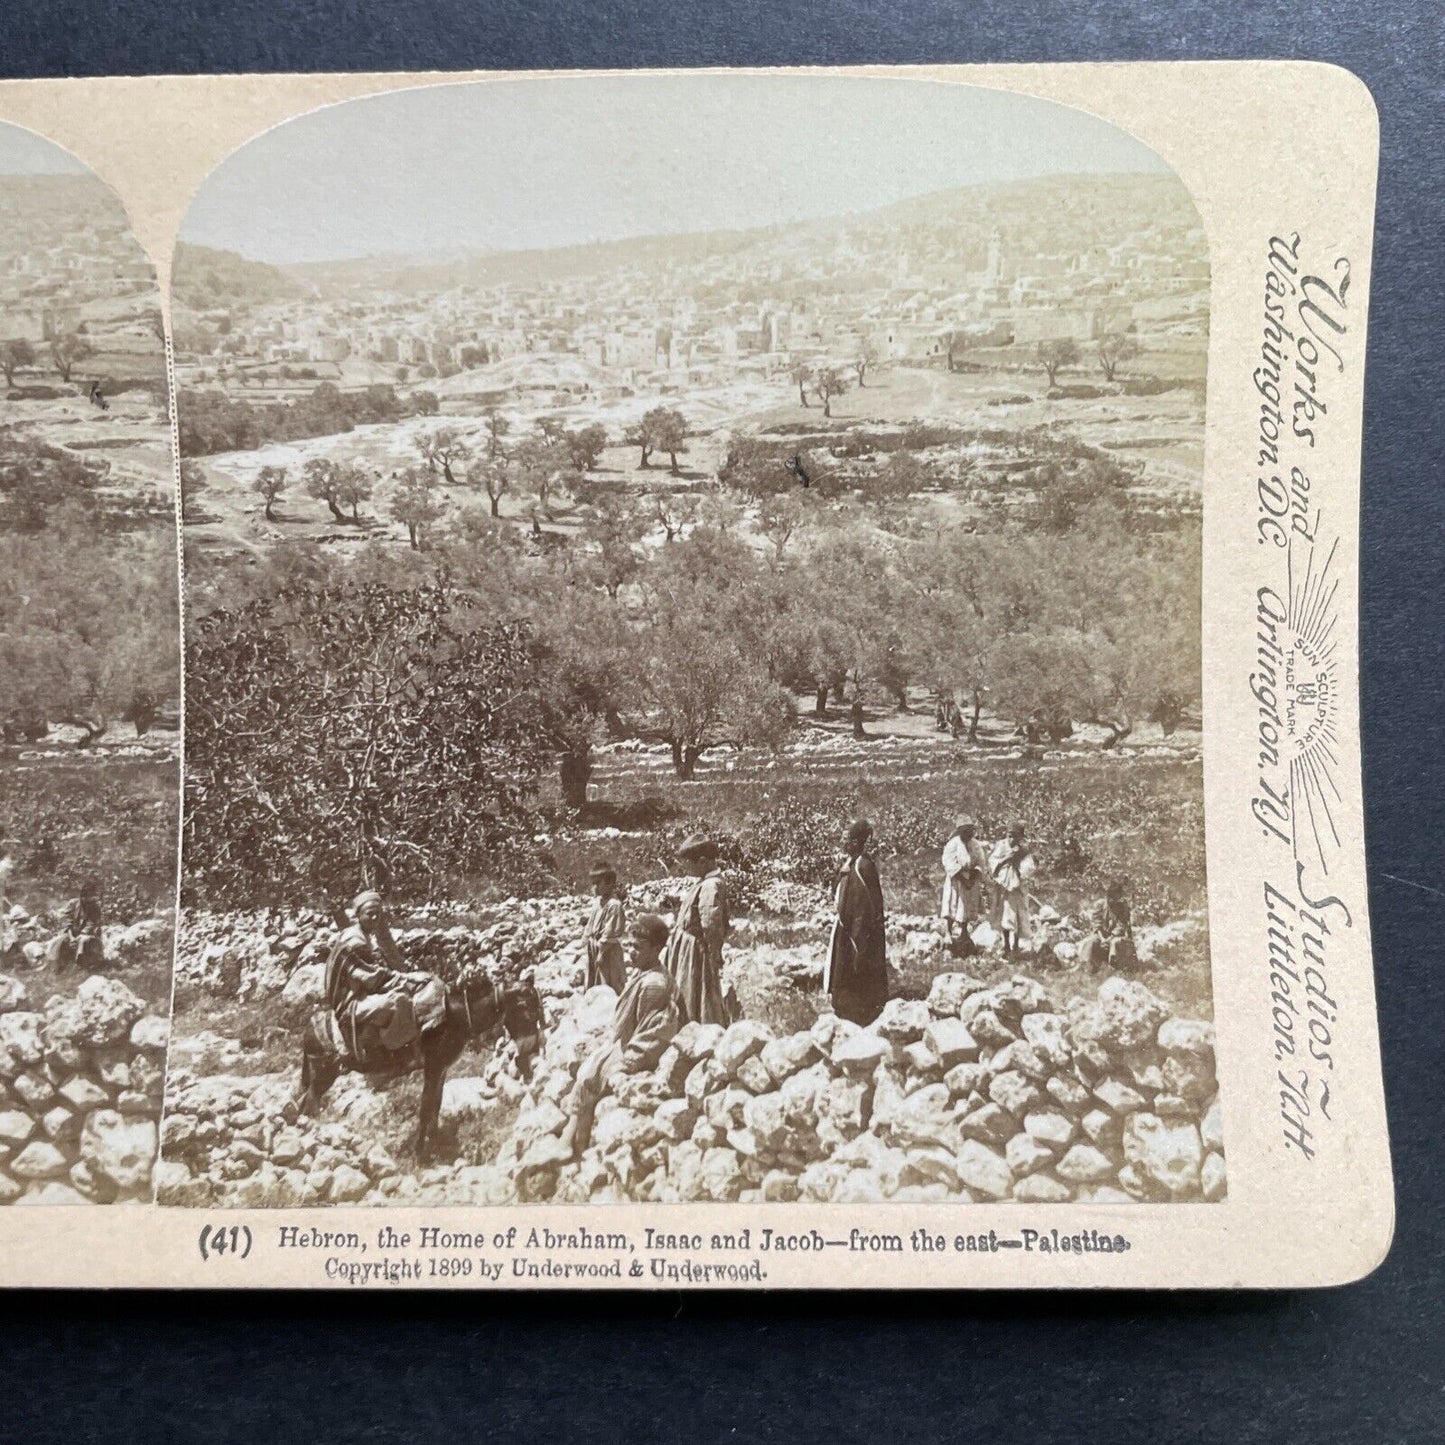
(211, 421)
(356, 734)
(66, 822)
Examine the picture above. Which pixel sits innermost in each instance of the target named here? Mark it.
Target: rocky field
(977, 1093)
(82, 1059)
(1040, 1086)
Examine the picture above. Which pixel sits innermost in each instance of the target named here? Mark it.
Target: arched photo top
(563, 161)
(82, 344)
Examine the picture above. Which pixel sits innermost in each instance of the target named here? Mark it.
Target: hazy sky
(24, 154)
(540, 163)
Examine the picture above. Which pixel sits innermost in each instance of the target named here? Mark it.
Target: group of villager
(991, 884)
(666, 976)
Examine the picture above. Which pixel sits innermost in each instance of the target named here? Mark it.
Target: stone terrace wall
(979, 1093)
(249, 956)
(80, 1094)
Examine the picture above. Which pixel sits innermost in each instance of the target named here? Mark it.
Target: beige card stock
(766, 693)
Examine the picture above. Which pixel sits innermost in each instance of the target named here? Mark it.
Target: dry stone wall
(226, 1141)
(983, 1093)
(249, 956)
(980, 1092)
(81, 1078)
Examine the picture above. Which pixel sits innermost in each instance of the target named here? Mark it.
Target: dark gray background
(1360, 1363)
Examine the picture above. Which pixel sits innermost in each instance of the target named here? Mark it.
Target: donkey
(475, 1006)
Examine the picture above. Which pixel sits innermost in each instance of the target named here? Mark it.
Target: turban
(367, 895)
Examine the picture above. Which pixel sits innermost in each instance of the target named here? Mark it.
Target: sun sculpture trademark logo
(1310, 701)
(1295, 683)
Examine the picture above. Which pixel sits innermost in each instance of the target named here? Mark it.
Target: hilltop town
(983, 268)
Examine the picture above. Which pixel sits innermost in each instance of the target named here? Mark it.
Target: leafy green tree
(673, 510)
(493, 475)
(38, 479)
(441, 448)
(89, 615)
(586, 446)
(669, 433)
(1113, 348)
(801, 375)
(864, 357)
(705, 681)
(829, 382)
(67, 350)
(359, 735)
(416, 506)
(614, 532)
(353, 488)
(780, 519)
(663, 429)
(543, 466)
(497, 426)
(323, 481)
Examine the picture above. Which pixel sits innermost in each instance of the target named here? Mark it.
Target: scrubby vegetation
(211, 421)
(66, 822)
(747, 617)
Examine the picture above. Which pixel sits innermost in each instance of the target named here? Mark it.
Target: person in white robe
(965, 875)
(1011, 865)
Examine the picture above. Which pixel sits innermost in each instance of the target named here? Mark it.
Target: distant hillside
(1039, 213)
(492, 268)
(203, 279)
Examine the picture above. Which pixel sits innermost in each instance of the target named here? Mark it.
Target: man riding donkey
(382, 1021)
(378, 1007)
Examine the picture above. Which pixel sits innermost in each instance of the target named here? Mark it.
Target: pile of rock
(229, 1140)
(80, 1093)
(224, 1139)
(27, 934)
(979, 1093)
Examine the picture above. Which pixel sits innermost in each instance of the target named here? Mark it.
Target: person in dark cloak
(856, 975)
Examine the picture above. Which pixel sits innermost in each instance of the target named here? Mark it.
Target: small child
(604, 931)
(1112, 942)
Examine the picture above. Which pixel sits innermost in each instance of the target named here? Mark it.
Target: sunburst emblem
(1312, 701)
